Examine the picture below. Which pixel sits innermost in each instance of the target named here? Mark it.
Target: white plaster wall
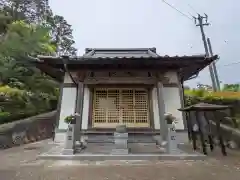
(155, 109)
(172, 101)
(85, 112)
(67, 105)
(173, 78)
(67, 78)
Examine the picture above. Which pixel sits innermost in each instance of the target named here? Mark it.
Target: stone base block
(121, 143)
(68, 152)
(121, 140)
(120, 135)
(60, 137)
(120, 151)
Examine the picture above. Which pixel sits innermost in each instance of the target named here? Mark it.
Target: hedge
(196, 95)
(223, 98)
(16, 104)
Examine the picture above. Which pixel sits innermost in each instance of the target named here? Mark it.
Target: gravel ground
(20, 163)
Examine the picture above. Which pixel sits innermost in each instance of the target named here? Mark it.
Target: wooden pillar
(210, 138)
(193, 132)
(56, 124)
(219, 134)
(189, 125)
(201, 132)
(161, 107)
(182, 99)
(78, 110)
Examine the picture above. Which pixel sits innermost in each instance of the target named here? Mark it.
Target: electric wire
(230, 64)
(183, 14)
(192, 8)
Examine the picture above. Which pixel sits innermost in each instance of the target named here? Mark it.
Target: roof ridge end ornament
(153, 49)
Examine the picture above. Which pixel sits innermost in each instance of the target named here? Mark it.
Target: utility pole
(201, 24)
(214, 65)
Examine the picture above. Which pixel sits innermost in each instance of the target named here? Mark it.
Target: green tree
(38, 12)
(61, 33)
(28, 91)
(19, 41)
(27, 10)
(29, 28)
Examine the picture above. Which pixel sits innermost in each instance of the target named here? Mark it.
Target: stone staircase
(138, 143)
(146, 136)
(140, 138)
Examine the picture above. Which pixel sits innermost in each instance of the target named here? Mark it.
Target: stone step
(110, 139)
(131, 131)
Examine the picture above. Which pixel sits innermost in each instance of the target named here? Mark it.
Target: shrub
(16, 104)
(221, 98)
(70, 119)
(200, 95)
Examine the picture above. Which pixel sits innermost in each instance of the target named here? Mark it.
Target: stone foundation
(28, 130)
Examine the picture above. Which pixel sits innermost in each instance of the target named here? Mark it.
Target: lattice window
(123, 105)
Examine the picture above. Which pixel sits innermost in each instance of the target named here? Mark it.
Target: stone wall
(28, 130)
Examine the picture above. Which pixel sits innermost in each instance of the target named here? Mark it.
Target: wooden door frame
(149, 88)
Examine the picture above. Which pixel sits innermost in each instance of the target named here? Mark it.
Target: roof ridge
(120, 49)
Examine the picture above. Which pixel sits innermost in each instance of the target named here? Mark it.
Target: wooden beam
(81, 75)
(170, 85)
(67, 85)
(127, 80)
(54, 73)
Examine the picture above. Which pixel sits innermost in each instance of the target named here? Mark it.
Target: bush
(200, 95)
(16, 104)
(220, 98)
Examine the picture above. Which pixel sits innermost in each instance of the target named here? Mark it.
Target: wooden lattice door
(113, 106)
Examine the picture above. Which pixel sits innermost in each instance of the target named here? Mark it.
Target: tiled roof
(205, 106)
(121, 53)
(138, 58)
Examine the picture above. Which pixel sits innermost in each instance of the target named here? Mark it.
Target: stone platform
(102, 152)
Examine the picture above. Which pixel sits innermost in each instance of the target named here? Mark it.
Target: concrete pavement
(20, 163)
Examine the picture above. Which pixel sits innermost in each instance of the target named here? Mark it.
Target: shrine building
(108, 87)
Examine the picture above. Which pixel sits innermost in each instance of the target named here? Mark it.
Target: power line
(230, 64)
(193, 8)
(183, 14)
(190, 14)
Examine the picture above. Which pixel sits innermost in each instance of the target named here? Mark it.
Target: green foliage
(222, 98)
(22, 39)
(16, 103)
(229, 97)
(231, 87)
(29, 28)
(70, 119)
(61, 33)
(198, 95)
(230, 93)
(28, 10)
(195, 92)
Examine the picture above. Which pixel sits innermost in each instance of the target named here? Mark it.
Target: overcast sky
(152, 23)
